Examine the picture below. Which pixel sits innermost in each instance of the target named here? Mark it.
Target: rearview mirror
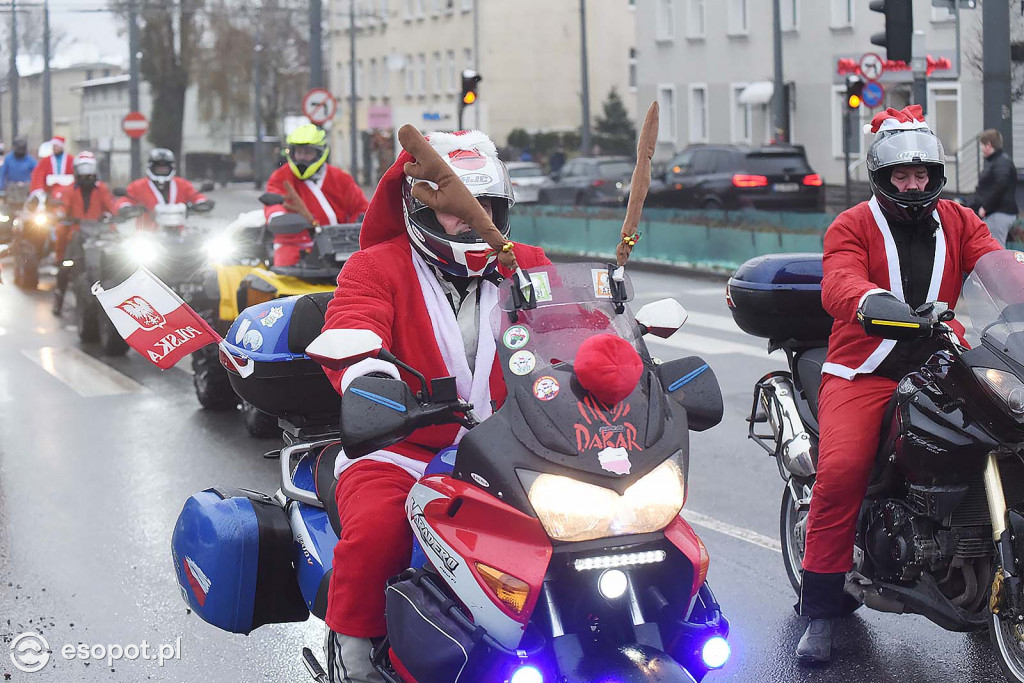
(288, 224)
(662, 318)
(337, 349)
(692, 384)
(271, 199)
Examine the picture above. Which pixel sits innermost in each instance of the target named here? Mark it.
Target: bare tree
(972, 37)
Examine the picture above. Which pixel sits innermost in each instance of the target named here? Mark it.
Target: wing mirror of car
(270, 199)
(207, 187)
(662, 318)
(692, 384)
(288, 224)
(119, 192)
(337, 349)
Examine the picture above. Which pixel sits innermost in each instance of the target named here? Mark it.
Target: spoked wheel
(1007, 636)
(258, 423)
(793, 530)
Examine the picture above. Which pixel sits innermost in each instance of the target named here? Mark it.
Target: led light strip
(609, 561)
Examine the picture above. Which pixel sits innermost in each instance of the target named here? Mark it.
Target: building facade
(710, 65)
(410, 55)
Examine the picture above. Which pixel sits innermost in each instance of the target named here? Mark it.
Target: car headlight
(571, 510)
(141, 250)
(1005, 386)
(219, 249)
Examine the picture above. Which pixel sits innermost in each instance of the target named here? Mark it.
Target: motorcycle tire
(1007, 639)
(110, 341)
(258, 423)
(210, 379)
(26, 269)
(86, 313)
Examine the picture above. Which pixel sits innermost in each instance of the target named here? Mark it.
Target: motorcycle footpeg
(312, 665)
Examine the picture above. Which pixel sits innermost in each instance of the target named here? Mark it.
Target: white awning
(757, 93)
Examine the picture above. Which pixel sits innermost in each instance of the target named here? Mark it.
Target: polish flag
(156, 322)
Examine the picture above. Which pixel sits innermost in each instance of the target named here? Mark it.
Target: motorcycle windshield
(574, 303)
(994, 294)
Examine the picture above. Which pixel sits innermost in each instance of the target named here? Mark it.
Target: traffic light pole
(133, 83)
(846, 152)
(995, 22)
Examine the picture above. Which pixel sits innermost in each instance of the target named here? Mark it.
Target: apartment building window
(666, 22)
(842, 14)
(384, 78)
(383, 11)
(631, 76)
(942, 14)
(699, 113)
(453, 76)
(944, 115)
(449, 6)
(438, 74)
(421, 8)
(696, 18)
(372, 79)
(667, 105)
(410, 76)
(422, 89)
(738, 17)
(467, 55)
(467, 5)
(435, 10)
(741, 117)
(790, 18)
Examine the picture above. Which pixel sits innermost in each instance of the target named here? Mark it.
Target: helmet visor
(907, 147)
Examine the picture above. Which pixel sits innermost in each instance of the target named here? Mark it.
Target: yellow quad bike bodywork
(244, 286)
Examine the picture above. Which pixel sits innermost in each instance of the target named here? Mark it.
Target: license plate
(786, 187)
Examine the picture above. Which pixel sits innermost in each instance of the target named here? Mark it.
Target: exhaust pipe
(792, 442)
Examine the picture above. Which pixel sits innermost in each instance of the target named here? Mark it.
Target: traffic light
(854, 88)
(899, 28)
(470, 81)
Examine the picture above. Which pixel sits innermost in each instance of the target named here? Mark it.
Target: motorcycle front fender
(629, 664)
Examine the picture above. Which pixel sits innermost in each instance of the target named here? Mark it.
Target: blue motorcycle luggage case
(233, 554)
(778, 297)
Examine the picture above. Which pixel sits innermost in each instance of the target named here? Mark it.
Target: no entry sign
(319, 106)
(135, 124)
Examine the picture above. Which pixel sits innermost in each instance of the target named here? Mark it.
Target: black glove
(204, 206)
(883, 315)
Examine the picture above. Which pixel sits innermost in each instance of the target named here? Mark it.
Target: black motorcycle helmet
(161, 165)
(906, 143)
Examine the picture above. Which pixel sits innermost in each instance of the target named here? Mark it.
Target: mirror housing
(337, 349)
(288, 224)
(692, 384)
(271, 199)
(662, 318)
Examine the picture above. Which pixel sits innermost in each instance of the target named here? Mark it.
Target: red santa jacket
(378, 290)
(144, 192)
(861, 259)
(334, 198)
(101, 202)
(49, 166)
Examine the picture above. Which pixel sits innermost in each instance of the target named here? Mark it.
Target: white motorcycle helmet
(473, 157)
(160, 168)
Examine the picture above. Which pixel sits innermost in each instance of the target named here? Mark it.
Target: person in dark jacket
(996, 200)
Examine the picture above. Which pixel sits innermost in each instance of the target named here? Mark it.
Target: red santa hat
(608, 367)
(58, 140)
(384, 217)
(908, 118)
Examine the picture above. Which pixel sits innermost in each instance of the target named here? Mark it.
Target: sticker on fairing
(615, 460)
(1019, 255)
(242, 329)
(546, 388)
(522, 363)
(541, 287)
(516, 337)
(272, 316)
(252, 340)
(602, 286)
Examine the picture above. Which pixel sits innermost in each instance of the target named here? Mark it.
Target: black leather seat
(326, 483)
(808, 375)
(307, 320)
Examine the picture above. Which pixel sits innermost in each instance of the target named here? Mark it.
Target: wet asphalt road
(90, 487)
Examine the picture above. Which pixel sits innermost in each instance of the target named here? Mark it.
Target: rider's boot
(348, 659)
(821, 600)
(59, 290)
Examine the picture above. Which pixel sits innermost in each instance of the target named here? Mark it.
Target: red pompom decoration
(608, 367)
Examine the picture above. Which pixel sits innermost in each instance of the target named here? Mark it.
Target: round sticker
(522, 363)
(516, 337)
(252, 340)
(546, 388)
(1017, 255)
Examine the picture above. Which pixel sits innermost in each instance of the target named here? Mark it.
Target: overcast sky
(97, 29)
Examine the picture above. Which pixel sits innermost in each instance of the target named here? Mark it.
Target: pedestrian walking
(996, 198)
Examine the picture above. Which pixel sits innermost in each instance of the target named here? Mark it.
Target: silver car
(527, 177)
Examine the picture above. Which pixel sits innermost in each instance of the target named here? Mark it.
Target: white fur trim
(365, 367)
(446, 143)
(414, 468)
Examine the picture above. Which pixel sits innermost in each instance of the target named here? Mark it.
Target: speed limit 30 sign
(319, 106)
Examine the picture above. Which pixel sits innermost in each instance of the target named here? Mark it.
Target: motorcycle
(12, 200)
(237, 284)
(941, 529)
(32, 228)
(549, 543)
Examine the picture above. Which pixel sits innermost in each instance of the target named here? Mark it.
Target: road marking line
(712, 321)
(696, 343)
(85, 375)
(737, 532)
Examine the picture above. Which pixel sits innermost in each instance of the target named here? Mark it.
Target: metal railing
(967, 160)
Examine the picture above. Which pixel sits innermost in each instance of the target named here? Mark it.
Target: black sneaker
(815, 644)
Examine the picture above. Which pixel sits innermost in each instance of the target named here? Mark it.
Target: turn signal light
(814, 180)
(509, 590)
(741, 180)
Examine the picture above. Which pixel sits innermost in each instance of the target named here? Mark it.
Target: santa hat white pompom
(446, 143)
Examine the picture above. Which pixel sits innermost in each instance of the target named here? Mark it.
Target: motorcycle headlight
(141, 250)
(219, 249)
(571, 510)
(40, 220)
(1005, 386)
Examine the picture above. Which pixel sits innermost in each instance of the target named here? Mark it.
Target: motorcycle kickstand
(312, 665)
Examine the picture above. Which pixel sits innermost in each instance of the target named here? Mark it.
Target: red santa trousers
(850, 417)
(371, 507)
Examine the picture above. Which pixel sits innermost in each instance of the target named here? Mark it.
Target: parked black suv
(589, 180)
(776, 178)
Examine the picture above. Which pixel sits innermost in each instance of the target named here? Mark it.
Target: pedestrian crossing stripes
(86, 376)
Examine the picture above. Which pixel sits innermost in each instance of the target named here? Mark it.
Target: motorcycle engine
(899, 543)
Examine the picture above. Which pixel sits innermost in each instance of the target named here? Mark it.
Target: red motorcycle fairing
(682, 536)
(482, 529)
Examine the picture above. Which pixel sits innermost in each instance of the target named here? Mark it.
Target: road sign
(872, 94)
(319, 106)
(134, 124)
(871, 66)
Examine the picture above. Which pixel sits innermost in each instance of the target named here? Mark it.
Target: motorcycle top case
(274, 335)
(233, 553)
(778, 297)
